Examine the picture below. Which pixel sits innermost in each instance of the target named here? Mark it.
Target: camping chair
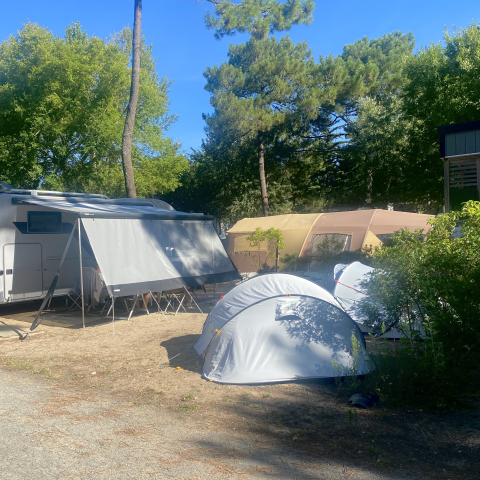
(76, 299)
(134, 304)
(179, 295)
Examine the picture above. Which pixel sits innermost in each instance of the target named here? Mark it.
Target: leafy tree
(359, 114)
(432, 280)
(428, 285)
(442, 88)
(375, 161)
(258, 17)
(62, 110)
(265, 89)
(270, 240)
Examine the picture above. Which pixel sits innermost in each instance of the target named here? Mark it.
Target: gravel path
(47, 432)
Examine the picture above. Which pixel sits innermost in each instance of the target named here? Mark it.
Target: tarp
(279, 327)
(140, 247)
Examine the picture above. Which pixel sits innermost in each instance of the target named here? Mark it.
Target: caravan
(140, 245)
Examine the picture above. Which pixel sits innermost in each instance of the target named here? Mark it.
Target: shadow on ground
(181, 353)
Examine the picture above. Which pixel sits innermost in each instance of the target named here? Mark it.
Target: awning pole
(51, 290)
(81, 269)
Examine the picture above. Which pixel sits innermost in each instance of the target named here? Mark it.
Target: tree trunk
(263, 182)
(369, 186)
(132, 104)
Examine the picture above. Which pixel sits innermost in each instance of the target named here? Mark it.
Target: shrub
(428, 285)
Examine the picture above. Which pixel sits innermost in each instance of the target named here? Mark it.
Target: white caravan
(35, 227)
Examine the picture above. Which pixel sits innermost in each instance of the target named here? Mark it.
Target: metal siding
(460, 143)
(470, 142)
(450, 144)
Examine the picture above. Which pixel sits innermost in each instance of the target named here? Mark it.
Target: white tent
(278, 327)
(349, 289)
(352, 293)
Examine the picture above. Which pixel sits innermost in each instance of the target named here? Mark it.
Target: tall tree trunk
(132, 104)
(263, 182)
(369, 186)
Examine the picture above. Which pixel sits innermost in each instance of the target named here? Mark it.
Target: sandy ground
(110, 402)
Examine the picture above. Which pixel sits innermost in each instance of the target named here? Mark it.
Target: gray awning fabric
(141, 248)
(137, 256)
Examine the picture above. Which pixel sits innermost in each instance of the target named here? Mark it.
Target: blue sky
(184, 47)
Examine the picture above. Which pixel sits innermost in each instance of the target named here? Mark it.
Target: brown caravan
(310, 236)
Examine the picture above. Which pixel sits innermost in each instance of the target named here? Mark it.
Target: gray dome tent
(349, 288)
(278, 327)
(351, 292)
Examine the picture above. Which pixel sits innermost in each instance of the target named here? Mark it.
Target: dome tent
(349, 290)
(278, 327)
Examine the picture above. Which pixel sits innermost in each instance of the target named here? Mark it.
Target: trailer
(139, 245)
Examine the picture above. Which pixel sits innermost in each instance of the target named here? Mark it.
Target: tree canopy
(62, 109)
(358, 129)
(258, 17)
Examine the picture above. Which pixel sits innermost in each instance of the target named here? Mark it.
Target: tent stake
(81, 270)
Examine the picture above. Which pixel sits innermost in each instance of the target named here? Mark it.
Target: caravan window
(44, 222)
(330, 244)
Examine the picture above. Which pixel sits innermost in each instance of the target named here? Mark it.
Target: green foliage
(264, 95)
(271, 241)
(258, 17)
(414, 377)
(362, 113)
(427, 285)
(62, 108)
(441, 89)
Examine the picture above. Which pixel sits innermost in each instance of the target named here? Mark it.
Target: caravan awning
(141, 248)
(103, 209)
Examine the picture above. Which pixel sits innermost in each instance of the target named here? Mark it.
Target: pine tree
(266, 88)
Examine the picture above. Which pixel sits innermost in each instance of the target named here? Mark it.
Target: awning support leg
(113, 314)
(81, 269)
(180, 303)
(158, 305)
(145, 304)
(133, 306)
(193, 300)
(51, 289)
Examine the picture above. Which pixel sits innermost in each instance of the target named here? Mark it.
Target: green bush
(428, 285)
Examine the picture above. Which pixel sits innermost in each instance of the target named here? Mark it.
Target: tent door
(22, 274)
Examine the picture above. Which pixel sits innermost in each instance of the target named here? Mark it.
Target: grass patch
(25, 365)
(187, 407)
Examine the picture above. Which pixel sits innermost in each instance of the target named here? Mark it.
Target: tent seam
(308, 233)
(368, 227)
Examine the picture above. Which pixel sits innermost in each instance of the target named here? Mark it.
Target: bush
(428, 285)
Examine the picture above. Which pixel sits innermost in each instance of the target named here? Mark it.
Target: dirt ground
(150, 360)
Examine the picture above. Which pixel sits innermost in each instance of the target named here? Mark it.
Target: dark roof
(458, 127)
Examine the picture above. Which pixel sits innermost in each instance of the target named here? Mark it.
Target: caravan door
(22, 273)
